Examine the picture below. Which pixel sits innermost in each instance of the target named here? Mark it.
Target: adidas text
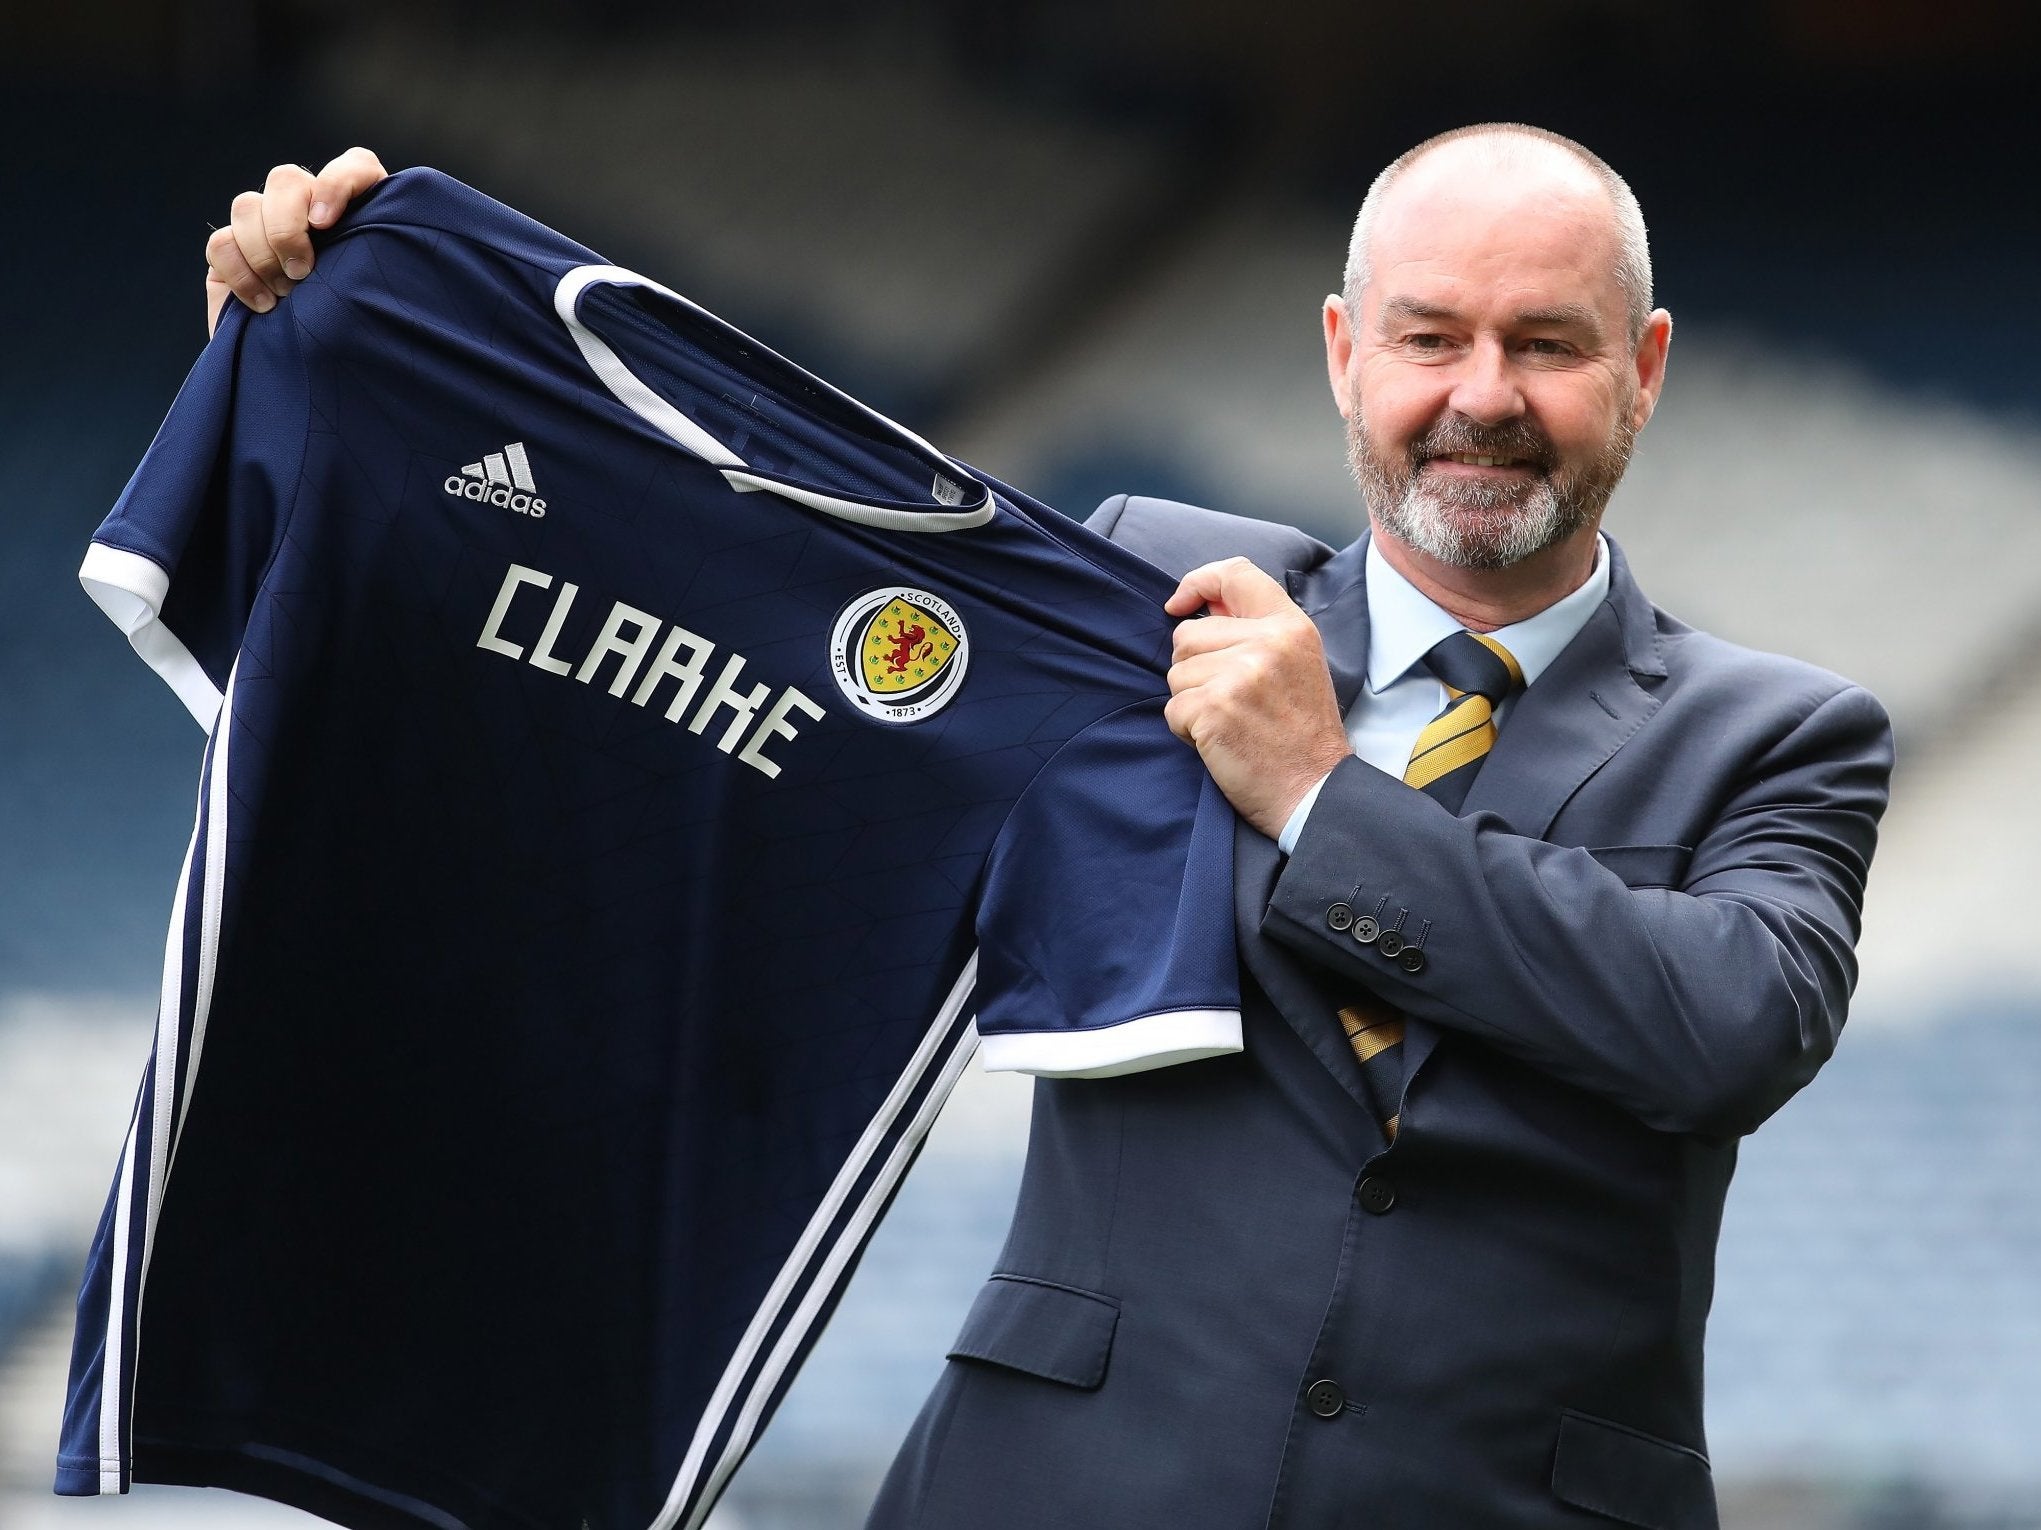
(503, 479)
(495, 494)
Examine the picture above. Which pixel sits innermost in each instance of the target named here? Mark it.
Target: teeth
(1471, 459)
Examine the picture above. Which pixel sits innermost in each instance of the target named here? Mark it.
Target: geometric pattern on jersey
(565, 966)
(1478, 674)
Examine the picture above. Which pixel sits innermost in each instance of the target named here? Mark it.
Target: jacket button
(1411, 961)
(1325, 1399)
(1340, 917)
(1391, 943)
(1377, 1194)
(1366, 929)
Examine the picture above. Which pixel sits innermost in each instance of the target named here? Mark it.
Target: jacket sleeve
(1700, 1008)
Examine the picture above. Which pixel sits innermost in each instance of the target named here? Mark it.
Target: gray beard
(1478, 525)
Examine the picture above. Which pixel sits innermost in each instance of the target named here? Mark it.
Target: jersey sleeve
(1105, 931)
(177, 563)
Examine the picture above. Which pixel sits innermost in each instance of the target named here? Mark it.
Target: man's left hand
(1250, 690)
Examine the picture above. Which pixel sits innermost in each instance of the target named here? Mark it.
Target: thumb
(216, 299)
(1230, 587)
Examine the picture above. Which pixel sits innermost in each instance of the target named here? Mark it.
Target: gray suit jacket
(1227, 1300)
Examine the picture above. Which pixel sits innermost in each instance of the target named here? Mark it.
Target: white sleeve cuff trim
(130, 589)
(1132, 1046)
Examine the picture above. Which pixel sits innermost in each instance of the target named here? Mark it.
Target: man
(1436, 1249)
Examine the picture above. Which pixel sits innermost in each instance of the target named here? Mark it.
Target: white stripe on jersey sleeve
(1132, 1046)
(130, 589)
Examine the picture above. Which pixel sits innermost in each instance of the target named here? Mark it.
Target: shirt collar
(1403, 624)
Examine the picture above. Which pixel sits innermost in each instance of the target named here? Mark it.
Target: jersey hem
(1129, 1046)
(131, 590)
(86, 1477)
(311, 1486)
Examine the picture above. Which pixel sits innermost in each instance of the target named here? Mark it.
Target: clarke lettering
(627, 635)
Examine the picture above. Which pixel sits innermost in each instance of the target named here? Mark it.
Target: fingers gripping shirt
(631, 765)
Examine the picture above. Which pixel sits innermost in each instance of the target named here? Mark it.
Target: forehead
(1468, 226)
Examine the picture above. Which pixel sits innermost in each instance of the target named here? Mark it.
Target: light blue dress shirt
(1399, 695)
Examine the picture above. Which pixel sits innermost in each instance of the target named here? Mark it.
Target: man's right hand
(267, 250)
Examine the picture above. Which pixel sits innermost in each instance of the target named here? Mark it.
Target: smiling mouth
(1481, 460)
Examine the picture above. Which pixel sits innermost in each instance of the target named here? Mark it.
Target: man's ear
(1339, 352)
(1652, 347)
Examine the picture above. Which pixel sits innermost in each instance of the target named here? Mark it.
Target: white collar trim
(654, 408)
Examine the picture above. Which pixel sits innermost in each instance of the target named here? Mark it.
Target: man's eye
(1426, 342)
(1548, 348)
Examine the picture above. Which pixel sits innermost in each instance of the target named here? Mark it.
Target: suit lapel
(1576, 716)
(1334, 594)
(1563, 729)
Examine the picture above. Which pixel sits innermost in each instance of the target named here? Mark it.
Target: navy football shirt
(631, 765)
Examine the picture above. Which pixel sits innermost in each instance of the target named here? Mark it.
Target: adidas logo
(501, 478)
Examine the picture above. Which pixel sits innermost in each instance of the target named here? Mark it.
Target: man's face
(1490, 385)
(1522, 498)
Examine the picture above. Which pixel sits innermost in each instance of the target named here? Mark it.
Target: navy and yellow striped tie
(1478, 674)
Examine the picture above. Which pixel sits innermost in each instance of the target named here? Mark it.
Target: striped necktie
(1478, 674)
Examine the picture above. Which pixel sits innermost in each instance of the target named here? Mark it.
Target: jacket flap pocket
(1631, 1476)
(1056, 1332)
(1645, 865)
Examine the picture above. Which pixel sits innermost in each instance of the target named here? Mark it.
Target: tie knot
(1472, 663)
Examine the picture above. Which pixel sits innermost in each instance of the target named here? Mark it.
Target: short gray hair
(1633, 249)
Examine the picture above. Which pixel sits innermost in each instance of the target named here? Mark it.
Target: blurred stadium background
(1083, 245)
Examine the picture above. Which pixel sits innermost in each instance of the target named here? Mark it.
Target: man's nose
(1485, 389)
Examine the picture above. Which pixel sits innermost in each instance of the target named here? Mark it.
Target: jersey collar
(649, 404)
